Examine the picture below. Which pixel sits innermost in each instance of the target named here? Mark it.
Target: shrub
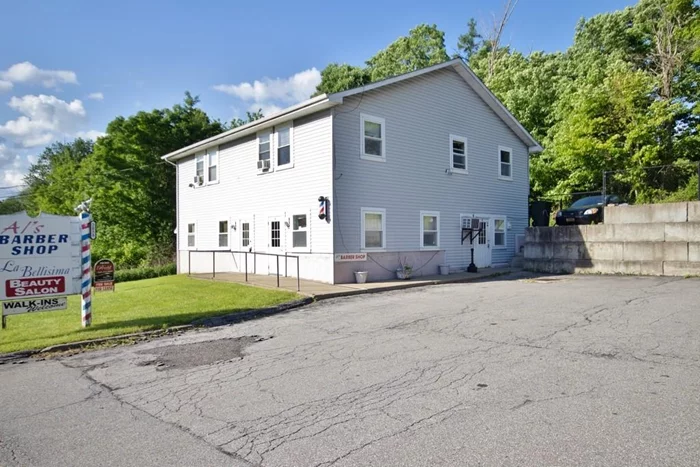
(126, 275)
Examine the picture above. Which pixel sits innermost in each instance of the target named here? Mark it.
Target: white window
(373, 142)
(245, 234)
(429, 229)
(190, 235)
(212, 163)
(458, 154)
(373, 229)
(499, 232)
(505, 163)
(264, 147)
(284, 147)
(223, 234)
(299, 231)
(199, 167)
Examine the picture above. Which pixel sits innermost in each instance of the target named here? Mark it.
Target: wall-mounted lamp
(448, 171)
(286, 223)
(233, 225)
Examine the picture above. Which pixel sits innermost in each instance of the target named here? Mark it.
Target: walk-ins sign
(39, 258)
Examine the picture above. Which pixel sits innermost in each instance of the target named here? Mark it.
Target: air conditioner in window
(198, 180)
(264, 165)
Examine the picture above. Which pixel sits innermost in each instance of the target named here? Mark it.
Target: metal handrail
(246, 253)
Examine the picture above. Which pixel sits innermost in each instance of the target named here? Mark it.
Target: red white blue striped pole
(86, 282)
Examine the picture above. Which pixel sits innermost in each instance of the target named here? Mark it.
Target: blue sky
(73, 66)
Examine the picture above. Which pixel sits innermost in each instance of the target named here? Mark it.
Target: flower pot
(361, 277)
(444, 270)
(402, 273)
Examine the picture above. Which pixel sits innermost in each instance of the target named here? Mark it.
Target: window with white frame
(212, 163)
(373, 138)
(505, 163)
(458, 153)
(429, 229)
(373, 229)
(223, 234)
(284, 147)
(299, 231)
(199, 168)
(245, 234)
(264, 147)
(499, 232)
(190, 235)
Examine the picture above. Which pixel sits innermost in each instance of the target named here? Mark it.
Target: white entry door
(245, 243)
(482, 244)
(275, 232)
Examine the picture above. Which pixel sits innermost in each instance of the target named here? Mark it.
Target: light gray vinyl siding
(420, 116)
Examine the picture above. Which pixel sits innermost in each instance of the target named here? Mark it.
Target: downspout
(177, 214)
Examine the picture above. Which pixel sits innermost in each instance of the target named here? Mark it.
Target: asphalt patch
(184, 356)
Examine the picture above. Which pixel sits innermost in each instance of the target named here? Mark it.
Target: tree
(133, 189)
(495, 34)
(12, 204)
(250, 117)
(424, 46)
(469, 42)
(341, 77)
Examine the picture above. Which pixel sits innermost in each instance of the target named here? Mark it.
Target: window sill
(373, 158)
(430, 248)
(459, 171)
(506, 179)
(372, 250)
(284, 167)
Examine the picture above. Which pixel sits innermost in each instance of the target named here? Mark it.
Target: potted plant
(405, 270)
(361, 277)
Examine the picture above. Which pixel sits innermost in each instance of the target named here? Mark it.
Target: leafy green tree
(250, 117)
(470, 42)
(13, 204)
(341, 77)
(424, 46)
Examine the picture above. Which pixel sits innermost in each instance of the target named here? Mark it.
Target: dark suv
(587, 210)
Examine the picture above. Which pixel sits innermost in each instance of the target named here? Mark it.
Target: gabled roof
(326, 101)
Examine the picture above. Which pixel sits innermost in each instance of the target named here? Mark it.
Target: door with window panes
(275, 246)
(245, 243)
(482, 244)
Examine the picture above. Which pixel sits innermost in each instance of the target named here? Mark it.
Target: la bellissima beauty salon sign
(39, 256)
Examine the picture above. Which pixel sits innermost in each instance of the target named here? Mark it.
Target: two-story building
(402, 164)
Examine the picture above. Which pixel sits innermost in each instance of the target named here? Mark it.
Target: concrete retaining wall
(659, 240)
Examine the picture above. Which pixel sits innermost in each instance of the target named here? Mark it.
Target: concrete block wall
(659, 240)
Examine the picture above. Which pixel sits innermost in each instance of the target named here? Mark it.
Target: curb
(252, 314)
(411, 285)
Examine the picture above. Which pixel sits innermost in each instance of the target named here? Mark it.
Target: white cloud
(91, 134)
(12, 169)
(44, 118)
(5, 85)
(26, 72)
(96, 96)
(269, 94)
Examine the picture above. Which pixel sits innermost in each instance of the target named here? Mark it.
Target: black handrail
(246, 253)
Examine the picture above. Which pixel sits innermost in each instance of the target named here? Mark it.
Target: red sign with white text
(33, 286)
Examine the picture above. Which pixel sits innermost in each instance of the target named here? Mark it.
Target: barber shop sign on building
(40, 261)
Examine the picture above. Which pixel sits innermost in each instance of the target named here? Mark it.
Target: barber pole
(86, 284)
(322, 207)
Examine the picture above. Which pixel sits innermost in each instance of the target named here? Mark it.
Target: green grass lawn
(136, 306)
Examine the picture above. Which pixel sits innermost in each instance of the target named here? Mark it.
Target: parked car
(588, 210)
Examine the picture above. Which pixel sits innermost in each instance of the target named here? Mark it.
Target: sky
(68, 68)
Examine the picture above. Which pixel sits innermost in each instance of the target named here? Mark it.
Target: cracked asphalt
(520, 371)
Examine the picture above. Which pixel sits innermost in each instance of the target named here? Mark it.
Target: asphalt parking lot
(523, 370)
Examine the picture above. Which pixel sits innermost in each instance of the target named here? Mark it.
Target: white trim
(270, 220)
(424, 214)
(509, 151)
(268, 132)
(505, 232)
(364, 211)
(462, 139)
(194, 235)
(305, 230)
(239, 228)
(289, 165)
(379, 121)
(201, 157)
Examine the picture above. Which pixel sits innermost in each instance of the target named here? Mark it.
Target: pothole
(183, 356)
